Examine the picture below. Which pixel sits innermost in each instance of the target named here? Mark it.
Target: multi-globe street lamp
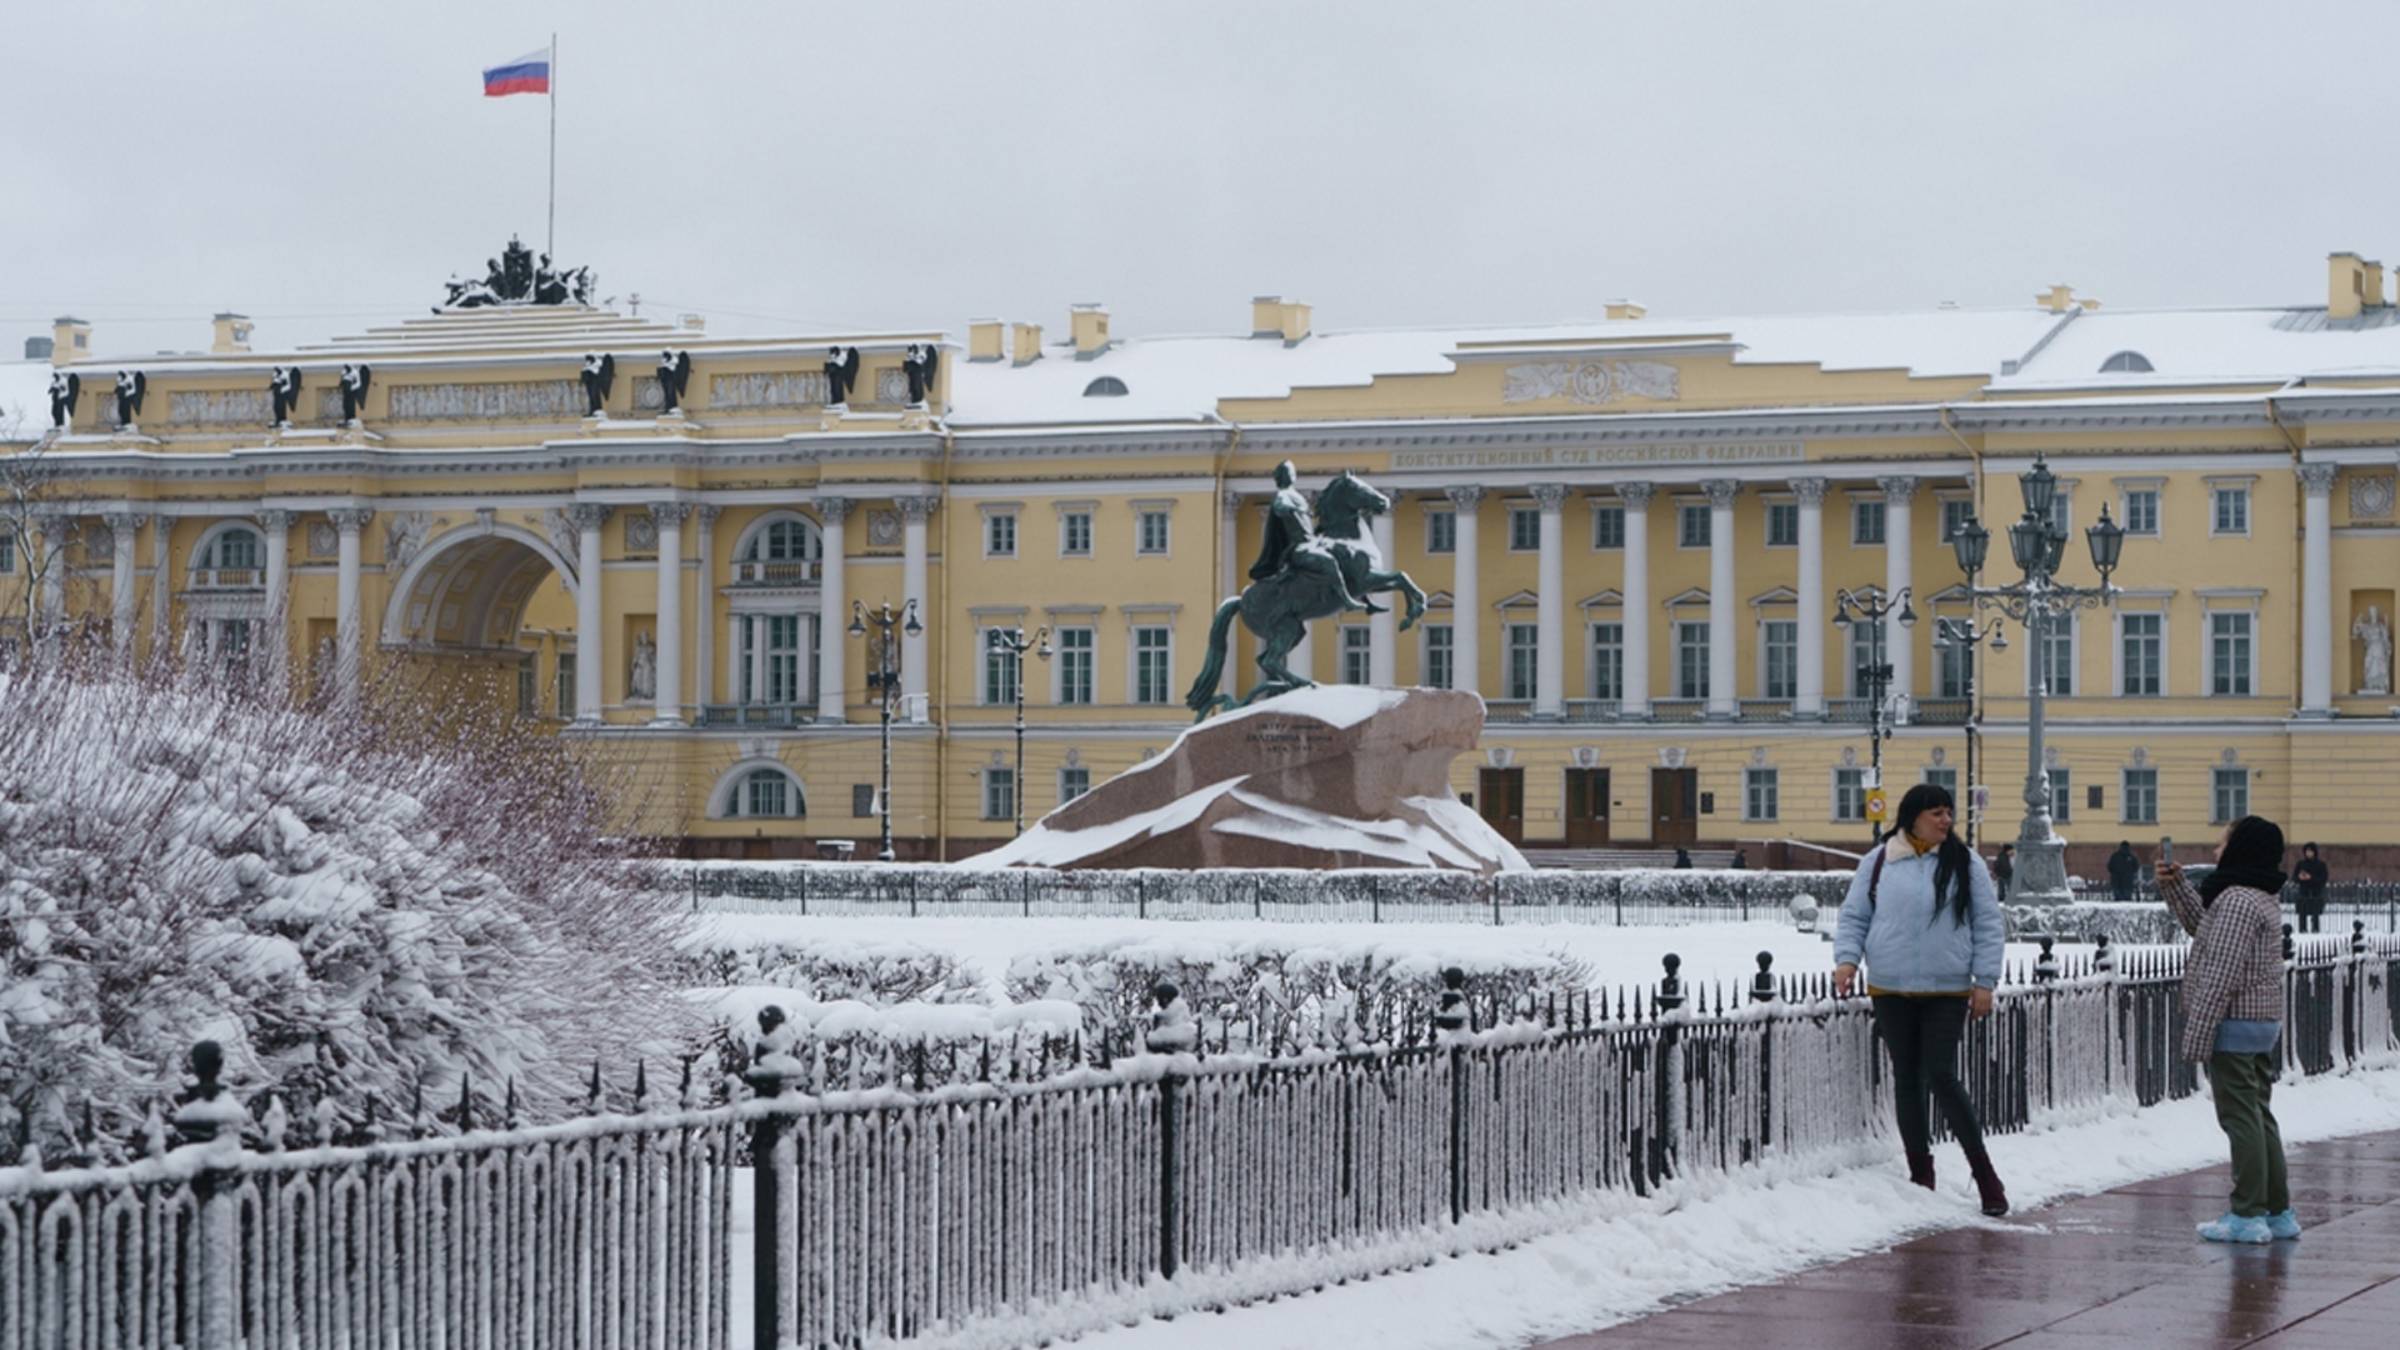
(885, 681)
(2038, 546)
(1014, 642)
(1874, 677)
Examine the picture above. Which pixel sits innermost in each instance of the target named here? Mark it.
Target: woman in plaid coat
(2233, 1016)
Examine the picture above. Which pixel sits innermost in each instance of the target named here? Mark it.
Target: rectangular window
(2230, 798)
(1866, 522)
(1524, 530)
(1608, 661)
(1783, 524)
(1608, 527)
(2141, 511)
(1955, 515)
(1438, 656)
(564, 706)
(1691, 660)
(1075, 534)
(862, 800)
(2229, 655)
(768, 793)
(1000, 536)
(1073, 781)
(1946, 779)
(2141, 796)
(2061, 516)
(1357, 654)
(8, 550)
(529, 687)
(1783, 658)
(2062, 795)
(1152, 532)
(999, 794)
(1849, 794)
(1691, 529)
(1151, 674)
(2143, 664)
(237, 550)
(2058, 656)
(999, 667)
(1076, 648)
(1441, 532)
(1760, 794)
(1524, 648)
(783, 657)
(2232, 514)
(1951, 674)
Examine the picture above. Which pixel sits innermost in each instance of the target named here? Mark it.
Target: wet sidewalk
(2121, 1266)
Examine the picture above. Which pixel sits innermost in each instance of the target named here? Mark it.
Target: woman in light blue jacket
(1923, 915)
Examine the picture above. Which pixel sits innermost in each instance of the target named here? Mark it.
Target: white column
(915, 667)
(754, 646)
(1638, 617)
(705, 660)
(1724, 693)
(831, 512)
(667, 707)
(162, 581)
(2316, 590)
(1898, 564)
(591, 645)
(1550, 606)
(52, 561)
(122, 527)
(1383, 630)
(349, 633)
(276, 525)
(1466, 590)
(1809, 612)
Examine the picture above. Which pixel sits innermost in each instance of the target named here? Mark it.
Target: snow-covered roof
(2187, 346)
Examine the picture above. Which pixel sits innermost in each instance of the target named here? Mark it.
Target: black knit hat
(2252, 856)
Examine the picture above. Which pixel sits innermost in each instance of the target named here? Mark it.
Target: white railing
(787, 573)
(226, 579)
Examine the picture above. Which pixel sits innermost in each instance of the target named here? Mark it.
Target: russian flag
(528, 74)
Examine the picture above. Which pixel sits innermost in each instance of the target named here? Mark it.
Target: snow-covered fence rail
(992, 1214)
(1618, 898)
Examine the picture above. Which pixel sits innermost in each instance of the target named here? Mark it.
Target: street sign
(1981, 796)
(1875, 805)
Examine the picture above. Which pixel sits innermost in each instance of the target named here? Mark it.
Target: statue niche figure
(283, 388)
(599, 374)
(65, 389)
(920, 363)
(1306, 570)
(2377, 635)
(355, 379)
(841, 372)
(131, 386)
(642, 680)
(674, 376)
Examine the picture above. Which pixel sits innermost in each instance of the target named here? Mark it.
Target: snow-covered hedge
(878, 974)
(349, 914)
(849, 1045)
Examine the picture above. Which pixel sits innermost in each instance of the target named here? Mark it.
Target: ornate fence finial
(276, 1124)
(466, 1100)
(210, 1114)
(508, 1110)
(773, 1071)
(641, 1086)
(2104, 960)
(598, 1093)
(1172, 1030)
(2045, 966)
(2291, 949)
(1450, 1016)
(1670, 986)
(1762, 985)
(420, 1123)
(2358, 937)
(686, 1096)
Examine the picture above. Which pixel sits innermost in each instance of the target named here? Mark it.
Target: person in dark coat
(2312, 874)
(2004, 869)
(2123, 867)
(1683, 859)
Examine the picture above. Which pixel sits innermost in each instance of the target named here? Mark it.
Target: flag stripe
(528, 74)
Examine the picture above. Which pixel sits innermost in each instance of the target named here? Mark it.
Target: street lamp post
(1966, 635)
(1016, 644)
(1875, 676)
(885, 681)
(2038, 546)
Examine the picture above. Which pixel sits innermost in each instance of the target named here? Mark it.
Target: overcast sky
(799, 166)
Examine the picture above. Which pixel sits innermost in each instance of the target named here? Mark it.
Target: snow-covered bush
(848, 1046)
(878, 974)
(354, 905)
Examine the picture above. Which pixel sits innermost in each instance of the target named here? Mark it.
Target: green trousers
(2242, 1085)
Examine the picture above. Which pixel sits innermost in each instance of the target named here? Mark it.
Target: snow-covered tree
(354, 906)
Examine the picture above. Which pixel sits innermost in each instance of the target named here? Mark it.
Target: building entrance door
(1500, 795)
(1674, 808)
(1587, 808)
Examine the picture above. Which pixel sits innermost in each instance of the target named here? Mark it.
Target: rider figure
(1291, 527)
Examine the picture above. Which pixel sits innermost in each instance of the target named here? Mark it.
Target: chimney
(70, 340)
(1089, 322)
(987, 339)
(2374, 295)
(691, 323)
(2058, 299)
(1626, 309)
(233, 334)
(1272, 316)
(1024, 343)
(2346, 285)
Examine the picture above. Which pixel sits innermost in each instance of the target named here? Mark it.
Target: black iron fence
(1019, 1214)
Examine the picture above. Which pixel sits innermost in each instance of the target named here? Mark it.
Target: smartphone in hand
(2166, 850)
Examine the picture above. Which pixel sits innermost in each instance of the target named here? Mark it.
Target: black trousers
(1922, 1036)
(2311, 911)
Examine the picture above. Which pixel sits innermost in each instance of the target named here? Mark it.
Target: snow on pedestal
(1331, 777)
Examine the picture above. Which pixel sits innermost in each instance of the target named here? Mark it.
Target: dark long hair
(1953, 866)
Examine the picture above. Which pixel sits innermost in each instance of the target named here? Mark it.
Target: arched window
(780, 551)
(762, 793)
(235, 549)
(1107, 386)
(2126, 363)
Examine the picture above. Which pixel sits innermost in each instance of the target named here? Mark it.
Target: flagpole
(550, 235)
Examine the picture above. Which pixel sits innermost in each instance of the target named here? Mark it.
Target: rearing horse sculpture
(1277, 608)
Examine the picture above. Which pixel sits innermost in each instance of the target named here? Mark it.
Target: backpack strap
(1875, 878)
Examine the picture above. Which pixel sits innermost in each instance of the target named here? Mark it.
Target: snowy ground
(1619, 956)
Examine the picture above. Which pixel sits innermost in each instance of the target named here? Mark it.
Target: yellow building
(1634, 530)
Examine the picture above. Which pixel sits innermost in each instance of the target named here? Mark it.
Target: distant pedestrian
(1683, 859)
(2123, 868)
(2312, 875)
(2004, 870)
(2232, 1016)
(1924, 916)
(1741, 860)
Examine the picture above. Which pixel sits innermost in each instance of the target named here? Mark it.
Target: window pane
(2061, 785)
(1073, 781)
(565, 704)
(1438, 674)
(2142, 654)
(1608, 527)
(2058, 648)
(1849, 794)
(1076, 533)
(2141, 796)
(999, 667)
(1357, 647)
(1525, 530)
(1150, 671)
(1954, 516)
(1783, 524)
(1694, 529)
(2232, 794)
(2229, 654)
(1783, 658)
(1075, 652)
(1944, 778)
(1760, 794)
(999, 794)
(1691, 660)
(2141, 512)
(1608, 660)
(1153, 535)
(1441, 532)
(1524, 646)
(1866, 522)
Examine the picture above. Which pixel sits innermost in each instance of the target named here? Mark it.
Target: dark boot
(1987, 1184)
(1920, 1170)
